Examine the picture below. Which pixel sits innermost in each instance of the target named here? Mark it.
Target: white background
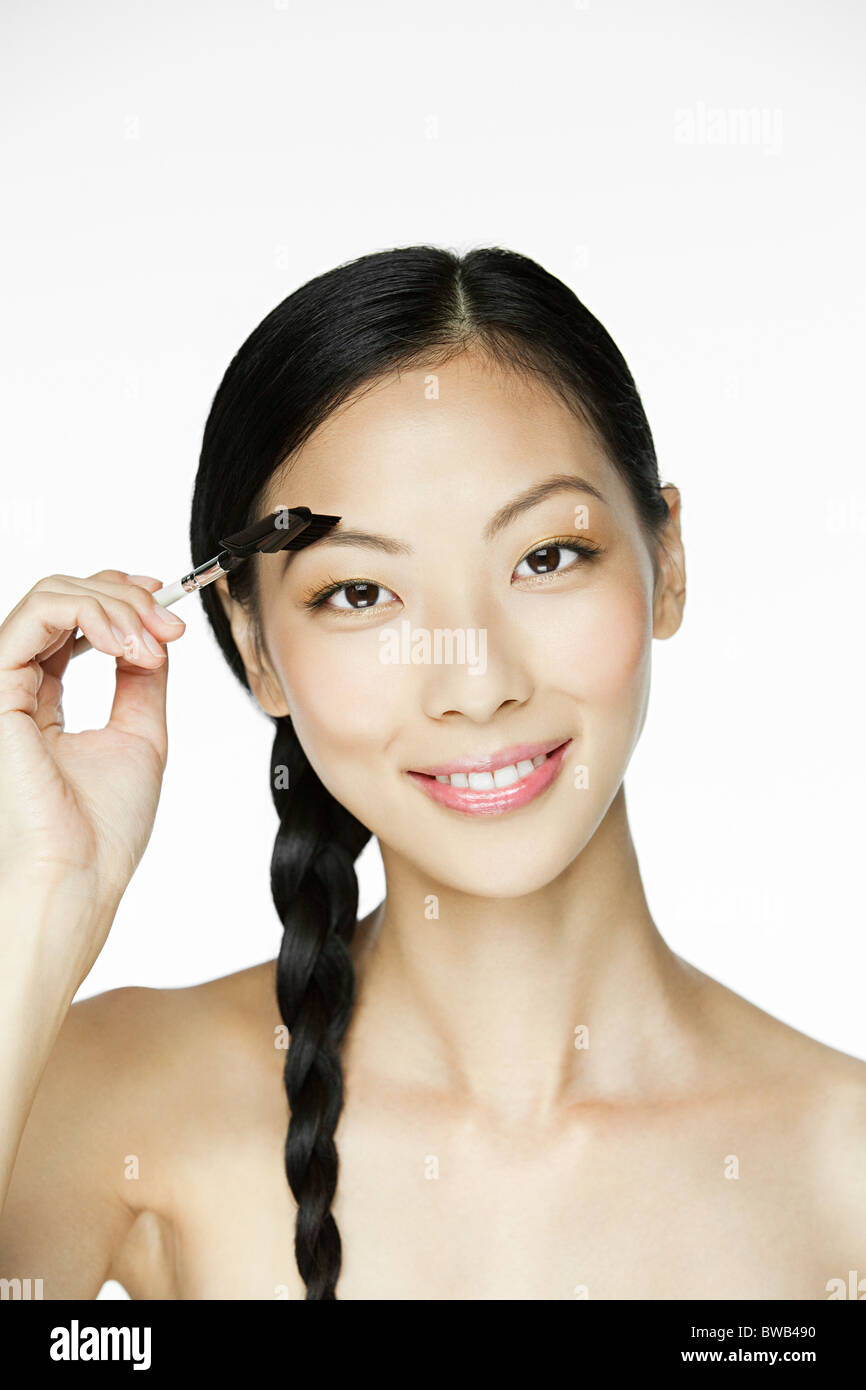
(694, 172)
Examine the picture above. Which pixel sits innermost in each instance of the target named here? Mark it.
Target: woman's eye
(545, 559)
(360, 595)
(356, 595)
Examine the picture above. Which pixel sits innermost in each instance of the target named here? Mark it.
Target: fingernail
(169, 617)
(143, 579)
(151, 643)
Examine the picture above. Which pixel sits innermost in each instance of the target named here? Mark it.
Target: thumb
(139, 703)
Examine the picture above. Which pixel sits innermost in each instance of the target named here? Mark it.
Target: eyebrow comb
(287, 528)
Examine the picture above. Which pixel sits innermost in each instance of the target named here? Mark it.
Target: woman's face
(547, 646)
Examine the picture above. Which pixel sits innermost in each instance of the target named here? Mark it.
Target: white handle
(169, 594)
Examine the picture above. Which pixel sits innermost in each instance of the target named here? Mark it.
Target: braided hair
(315, 890)
(341, 331)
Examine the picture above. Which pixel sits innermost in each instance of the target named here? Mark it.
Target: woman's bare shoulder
(139, 1080)
(754, 1045)
(809, 1097)
(163, 1031)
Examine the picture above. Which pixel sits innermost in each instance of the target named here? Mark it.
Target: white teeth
(502, 777)
(481, 781)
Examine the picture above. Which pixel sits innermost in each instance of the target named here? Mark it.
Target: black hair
(341, 331)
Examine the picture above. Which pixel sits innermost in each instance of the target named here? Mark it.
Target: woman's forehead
(439, 427)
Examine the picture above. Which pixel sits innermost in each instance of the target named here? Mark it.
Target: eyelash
(588, 552)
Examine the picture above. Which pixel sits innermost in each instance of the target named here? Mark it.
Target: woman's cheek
(597, 648)
(339, 699)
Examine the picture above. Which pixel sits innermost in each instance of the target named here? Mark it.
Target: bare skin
(622, 1200)
(692, 1147)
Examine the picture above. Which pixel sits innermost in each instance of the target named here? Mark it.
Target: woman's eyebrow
(367, 538)
(370, 539)
(558, 482)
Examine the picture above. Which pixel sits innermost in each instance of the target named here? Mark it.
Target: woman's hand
(77, 809)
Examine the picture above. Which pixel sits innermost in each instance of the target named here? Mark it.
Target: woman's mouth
(491, 791)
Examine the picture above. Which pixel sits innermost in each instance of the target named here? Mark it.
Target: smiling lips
(489, 786)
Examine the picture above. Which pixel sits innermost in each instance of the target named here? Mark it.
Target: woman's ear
(260, 674)
(670, 590)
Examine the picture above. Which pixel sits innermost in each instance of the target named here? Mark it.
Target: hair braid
(315, 890)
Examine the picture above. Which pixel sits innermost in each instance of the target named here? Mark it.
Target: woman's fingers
(56, 657)
(41, 623)
(159, 622)
(139, 623)
(118, 615)
(139, 698)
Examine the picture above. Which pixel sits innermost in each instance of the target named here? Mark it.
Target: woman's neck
(522, 1008)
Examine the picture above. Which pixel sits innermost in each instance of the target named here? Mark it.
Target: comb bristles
(318, 526)
(266, 536)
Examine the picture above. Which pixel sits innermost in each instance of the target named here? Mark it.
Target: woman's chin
(495, 872)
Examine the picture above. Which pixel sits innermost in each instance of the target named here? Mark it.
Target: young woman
(525, 1092)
